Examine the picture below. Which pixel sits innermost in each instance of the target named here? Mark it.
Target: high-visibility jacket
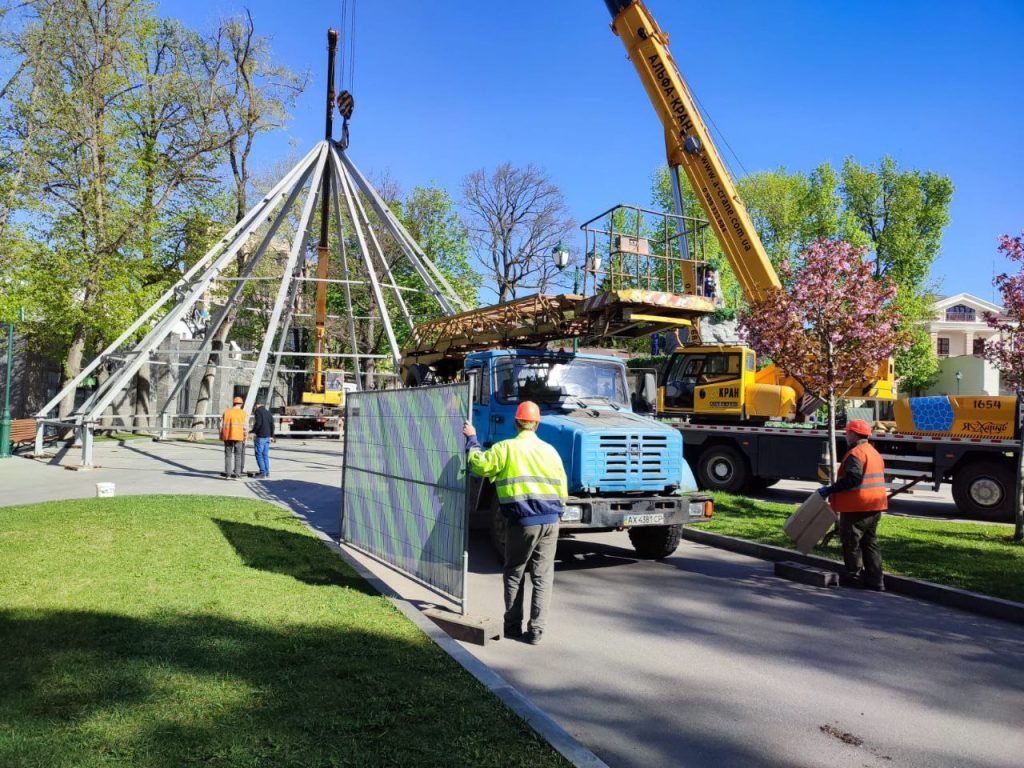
(528, 476)
(870, 495)
(233, 425)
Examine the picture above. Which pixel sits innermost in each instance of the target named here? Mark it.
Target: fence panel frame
(354, 400)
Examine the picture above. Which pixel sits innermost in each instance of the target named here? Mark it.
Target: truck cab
(717, 382)
(625, 471)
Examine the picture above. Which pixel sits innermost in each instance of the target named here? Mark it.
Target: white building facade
(959, 333)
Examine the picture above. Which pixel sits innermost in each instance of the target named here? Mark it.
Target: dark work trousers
(533, 547)
(860, 545)
(234, 457)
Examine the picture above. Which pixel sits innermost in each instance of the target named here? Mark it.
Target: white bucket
(104, 490)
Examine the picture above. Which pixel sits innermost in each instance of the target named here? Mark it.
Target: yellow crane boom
(689, 145)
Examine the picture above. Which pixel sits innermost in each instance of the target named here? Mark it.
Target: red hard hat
(527, 411)
(859, 427)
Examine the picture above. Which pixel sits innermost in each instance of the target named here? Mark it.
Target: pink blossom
(1007, 351)
(834, 323)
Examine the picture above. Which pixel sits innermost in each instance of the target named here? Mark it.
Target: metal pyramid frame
(370, 252)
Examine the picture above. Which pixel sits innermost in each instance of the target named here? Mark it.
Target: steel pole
(575, 291)
(5, 421)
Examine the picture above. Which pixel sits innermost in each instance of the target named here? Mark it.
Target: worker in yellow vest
(859, 497)
(531, 486)
(233, 432)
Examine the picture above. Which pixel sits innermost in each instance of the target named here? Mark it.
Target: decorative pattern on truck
(967, 416)
(932, 414)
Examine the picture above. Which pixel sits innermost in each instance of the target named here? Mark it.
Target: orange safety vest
(233, 425)
(870, 495)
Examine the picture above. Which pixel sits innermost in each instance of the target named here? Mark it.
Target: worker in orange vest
(859, 497)
(232, 432)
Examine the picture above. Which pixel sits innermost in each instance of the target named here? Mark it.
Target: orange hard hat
(859, 427)
(527, 411)
(237, 401)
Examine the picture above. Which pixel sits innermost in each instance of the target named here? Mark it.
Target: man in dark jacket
(263, 431)
(859, 497)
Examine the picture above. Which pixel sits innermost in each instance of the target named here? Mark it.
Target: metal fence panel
(404, 481)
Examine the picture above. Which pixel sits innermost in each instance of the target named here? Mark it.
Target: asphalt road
(704, 659)
(708, 659)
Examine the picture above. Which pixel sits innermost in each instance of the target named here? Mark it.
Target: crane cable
(345, 101)
(348, 44)
(721, 136)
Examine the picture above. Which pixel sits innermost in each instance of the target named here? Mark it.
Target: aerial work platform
(541, 318)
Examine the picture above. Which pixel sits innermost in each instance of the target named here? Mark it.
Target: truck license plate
(655, 519)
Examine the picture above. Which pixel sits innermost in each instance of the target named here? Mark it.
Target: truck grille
(634, 458)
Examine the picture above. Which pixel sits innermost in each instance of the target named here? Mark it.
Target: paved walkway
(305, 475)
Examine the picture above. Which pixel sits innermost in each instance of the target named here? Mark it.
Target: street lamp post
(5, 419)
(958, 376)
(560, 255)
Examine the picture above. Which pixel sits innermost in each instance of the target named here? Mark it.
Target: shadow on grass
(291, 554)
(93, 688)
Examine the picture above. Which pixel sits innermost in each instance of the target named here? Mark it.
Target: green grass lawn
(177, 631)
(976, 556)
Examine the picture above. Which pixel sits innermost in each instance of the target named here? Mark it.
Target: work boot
(533, 636)
(855, 580)
(512, 631)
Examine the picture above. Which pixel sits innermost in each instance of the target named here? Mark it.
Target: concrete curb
(542, 723)
(994, 607)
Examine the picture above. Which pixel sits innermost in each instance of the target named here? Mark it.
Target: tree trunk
(206, 385)
(142, 390)
(832, 438)
(1018, 529)
(72, 367)
(107, 417)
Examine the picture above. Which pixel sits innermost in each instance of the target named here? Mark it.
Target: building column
(968, 342)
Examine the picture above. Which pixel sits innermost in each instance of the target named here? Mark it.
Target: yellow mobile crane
(721, 381)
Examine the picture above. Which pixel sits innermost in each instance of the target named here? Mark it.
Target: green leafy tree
(902, 214)
(898, 215)
(430, 215)
(253, 97)
(113, 137)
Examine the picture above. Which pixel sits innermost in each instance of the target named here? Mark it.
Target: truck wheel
(653, 542)
(722, 468)
(499, 530)
(985, 489)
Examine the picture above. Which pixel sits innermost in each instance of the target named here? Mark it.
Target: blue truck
(626, 471)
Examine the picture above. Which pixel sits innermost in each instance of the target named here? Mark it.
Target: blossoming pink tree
(1007, 351)
(830, 327)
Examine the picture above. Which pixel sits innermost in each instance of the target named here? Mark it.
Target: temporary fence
(404, 482)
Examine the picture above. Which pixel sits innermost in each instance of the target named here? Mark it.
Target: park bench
(22, 431)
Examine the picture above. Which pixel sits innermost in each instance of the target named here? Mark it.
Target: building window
(979, 348)
(942, 347)
(961, 313)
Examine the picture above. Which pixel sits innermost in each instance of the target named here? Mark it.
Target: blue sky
(444, 88)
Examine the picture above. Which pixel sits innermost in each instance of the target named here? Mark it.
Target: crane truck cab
(722, 382)
(625, 471)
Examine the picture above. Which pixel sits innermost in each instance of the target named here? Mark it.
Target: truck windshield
(551, 380)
